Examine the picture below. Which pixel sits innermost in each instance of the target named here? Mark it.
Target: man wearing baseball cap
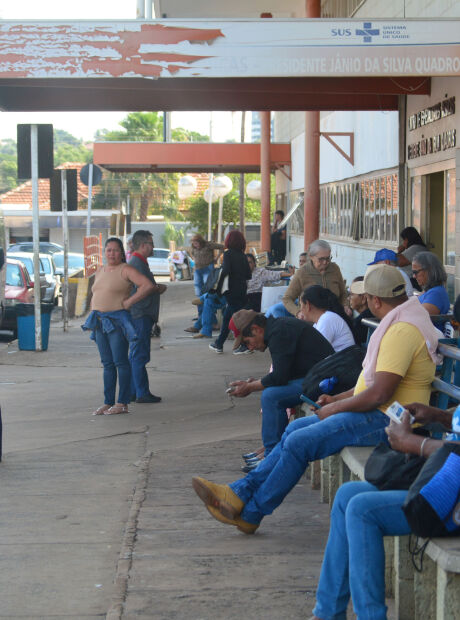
(399, 365)
(295, 346)
(388, 257)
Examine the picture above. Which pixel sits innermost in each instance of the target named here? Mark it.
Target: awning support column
(265, 181)
(312, 129)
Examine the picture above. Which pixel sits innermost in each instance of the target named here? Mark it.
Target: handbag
(432, 505)
(344, 366)
(388, 469)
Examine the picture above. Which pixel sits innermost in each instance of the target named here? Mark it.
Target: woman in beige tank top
(111, 323)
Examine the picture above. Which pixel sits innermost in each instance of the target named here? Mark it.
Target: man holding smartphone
(295, 346)
(399, 365)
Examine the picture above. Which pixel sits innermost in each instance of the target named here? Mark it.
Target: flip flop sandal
(116, 409)
(101, 410)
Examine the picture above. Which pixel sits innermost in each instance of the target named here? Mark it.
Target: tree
(150, 193)
(173, 234)
(8, 165)
(137, 127)
(67, 148)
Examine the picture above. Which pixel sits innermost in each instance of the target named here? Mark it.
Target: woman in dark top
(412, 244)
(235, 265)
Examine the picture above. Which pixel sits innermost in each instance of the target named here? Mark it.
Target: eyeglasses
(416, 271)
(323, 259)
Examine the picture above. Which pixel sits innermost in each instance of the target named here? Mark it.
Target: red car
(18, 289)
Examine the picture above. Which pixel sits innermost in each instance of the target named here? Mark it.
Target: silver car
(76, 262)
(48, 273)
(159, 262)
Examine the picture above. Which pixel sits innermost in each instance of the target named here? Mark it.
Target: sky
(84, 124)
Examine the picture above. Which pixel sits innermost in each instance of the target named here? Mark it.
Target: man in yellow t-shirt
(404, 370)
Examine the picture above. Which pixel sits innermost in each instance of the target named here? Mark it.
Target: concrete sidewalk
(97, 513)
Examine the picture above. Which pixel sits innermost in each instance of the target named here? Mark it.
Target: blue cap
(384, 255)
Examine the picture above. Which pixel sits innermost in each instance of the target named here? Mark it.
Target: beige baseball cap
(382, 281)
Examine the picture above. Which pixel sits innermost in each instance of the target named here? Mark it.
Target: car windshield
(13, 275)
(29, 263)
(76, 261)
(160, 254)
(46, 265)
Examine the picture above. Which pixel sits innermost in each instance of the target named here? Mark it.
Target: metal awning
(259, 64)
(186, 157)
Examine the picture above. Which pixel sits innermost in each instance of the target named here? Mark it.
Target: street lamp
(210, 196)
(186, 187)
(222, 186)
(254, 189)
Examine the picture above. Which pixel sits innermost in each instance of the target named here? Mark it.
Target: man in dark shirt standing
(295, 346)
(143, 315)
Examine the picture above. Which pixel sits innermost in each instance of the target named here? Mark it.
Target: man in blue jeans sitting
(295, 346)
(399, 365)
(143, 315)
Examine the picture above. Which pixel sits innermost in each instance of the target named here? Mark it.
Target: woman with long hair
(202, 252)
(412, 243)
(111, 325)
(235, 267)
(321, 307)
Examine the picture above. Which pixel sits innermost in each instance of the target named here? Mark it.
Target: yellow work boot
(245, 526)
(219, 496)
(214, 512)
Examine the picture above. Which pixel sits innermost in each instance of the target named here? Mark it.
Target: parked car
(18, 289)
(159, 262)
(45, 247)
(76, 262)
(48, 274)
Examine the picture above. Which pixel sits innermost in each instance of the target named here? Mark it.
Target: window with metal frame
(365, 209)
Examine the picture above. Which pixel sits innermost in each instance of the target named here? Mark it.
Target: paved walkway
(97, 515)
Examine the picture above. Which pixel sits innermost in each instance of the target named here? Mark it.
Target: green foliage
(173, 234)
(8, 165)
(186, 135)
(67, 148)
(61, 137)
(68, 153)
(137, 127)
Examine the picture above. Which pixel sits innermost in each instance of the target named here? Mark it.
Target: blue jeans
(354, 560)
(277, 310)
(229, 311)
(139, 356)
(201, 277)
(274, 401)
(304, 440)
(113, 349)
(207, 316)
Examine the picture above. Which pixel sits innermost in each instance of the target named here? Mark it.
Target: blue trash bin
(25, 314)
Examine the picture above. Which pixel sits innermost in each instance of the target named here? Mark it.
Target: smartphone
(395, 411)
(309, 401)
